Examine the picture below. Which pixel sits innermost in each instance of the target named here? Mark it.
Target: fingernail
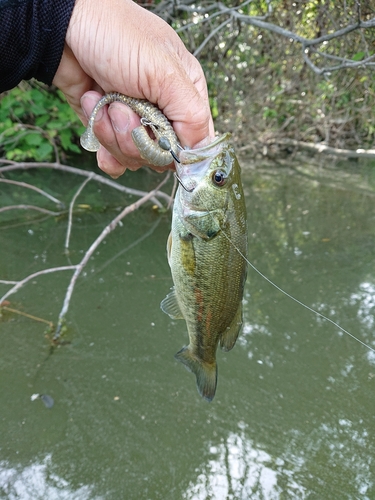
(88, 104)
(120, 118)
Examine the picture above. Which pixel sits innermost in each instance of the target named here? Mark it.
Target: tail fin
(206, 373)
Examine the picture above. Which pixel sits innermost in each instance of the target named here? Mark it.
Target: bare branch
(201, 11)
(307, 45)
(11, 166)
(345, 63)
(106, 231)
(20, 284)
(30, 316)
(68, 231)
(322, 148)
(146, 196)
(29, 207)
(306, 42)
(34, 188)
(208, 38)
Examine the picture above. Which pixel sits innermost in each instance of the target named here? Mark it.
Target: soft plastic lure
(160, 152)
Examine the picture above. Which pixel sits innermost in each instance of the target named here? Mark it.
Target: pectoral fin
(228, 338)
(206, 373)
(170, 306)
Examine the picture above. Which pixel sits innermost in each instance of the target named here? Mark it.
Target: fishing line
(279, 288)
(294, 298)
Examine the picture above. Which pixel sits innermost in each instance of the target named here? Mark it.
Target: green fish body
(207, 248)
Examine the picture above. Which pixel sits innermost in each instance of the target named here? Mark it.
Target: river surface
(294, 412)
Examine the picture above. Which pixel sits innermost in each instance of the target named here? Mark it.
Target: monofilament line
(286, 293)
(296, 300)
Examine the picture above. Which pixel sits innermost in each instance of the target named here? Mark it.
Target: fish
(207, 246)
(160, 152)
(207, 253)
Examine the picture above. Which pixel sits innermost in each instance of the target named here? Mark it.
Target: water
(293, 416)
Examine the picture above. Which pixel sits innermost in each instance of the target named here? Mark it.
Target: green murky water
(294, 414)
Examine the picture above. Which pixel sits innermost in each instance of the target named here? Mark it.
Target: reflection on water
(36, 482)
(237, 470)
(364, 300)
(293, 417)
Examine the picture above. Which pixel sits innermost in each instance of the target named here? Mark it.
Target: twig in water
(30, 316)
(34, 188)
(106, 231)
(29, 207)
(12, 165)
(71, 206)
(20, 284)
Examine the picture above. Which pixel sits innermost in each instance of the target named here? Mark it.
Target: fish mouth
(194, 162)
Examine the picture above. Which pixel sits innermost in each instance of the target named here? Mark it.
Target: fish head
(210, 182)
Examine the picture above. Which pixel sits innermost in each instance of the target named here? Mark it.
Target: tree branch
(11, 166)
(29, 207)
(322, 148)
(307, 44)
(19, 284)
(71, 206)
(34, 188)
(106, 231)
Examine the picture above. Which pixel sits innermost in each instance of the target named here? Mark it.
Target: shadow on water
(293, 416)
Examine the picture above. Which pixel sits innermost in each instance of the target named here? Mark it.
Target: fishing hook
(163, 142)
(182, 184)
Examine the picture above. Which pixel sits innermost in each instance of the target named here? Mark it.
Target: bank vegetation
(281, 74)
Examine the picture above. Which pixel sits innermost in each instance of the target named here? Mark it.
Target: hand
(119, 46)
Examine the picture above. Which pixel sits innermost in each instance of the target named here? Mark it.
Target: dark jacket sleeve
(32, 38)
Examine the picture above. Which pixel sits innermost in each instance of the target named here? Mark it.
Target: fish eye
(219, 178)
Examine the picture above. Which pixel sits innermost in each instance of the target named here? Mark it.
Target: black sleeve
(32, 38)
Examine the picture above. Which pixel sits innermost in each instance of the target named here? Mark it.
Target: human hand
(119, 46)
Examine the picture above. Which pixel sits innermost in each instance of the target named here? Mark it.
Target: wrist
(81, 19)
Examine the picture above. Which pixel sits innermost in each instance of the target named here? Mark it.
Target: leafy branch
(308, 45)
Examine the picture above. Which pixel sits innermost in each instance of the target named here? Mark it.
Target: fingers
(113, 127)
(72, 80)
(125, 48)
(180, 91)
(138, 54)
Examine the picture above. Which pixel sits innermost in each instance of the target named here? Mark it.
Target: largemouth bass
(206, 249)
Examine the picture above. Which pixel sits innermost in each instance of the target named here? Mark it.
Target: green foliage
(258, 81)
(259, 84)
(35, 122)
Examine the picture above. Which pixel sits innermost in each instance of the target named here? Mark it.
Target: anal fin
(228, 338)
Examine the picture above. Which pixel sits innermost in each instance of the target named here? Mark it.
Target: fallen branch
(322, 148)
(106, 231)
(29, 207)
(30, 316)
(71, 206)
(19, 284)
(8, 165)
(12, 166)
(34, 188)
